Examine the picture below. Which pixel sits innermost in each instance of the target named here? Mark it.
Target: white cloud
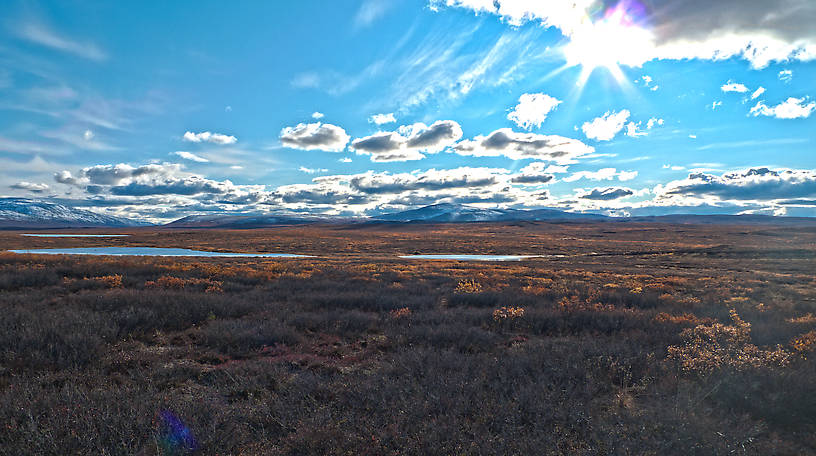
(602, 174)
(716, 105)
(409, 142)
(315, 136)
(206, 136)
(227, 108)
(792, 108)
(345, 160)
(607, 126)
(633, 130)
(88, 135)
(521, 146)
(785, 76)
(30, 187)
(631, 34)
(693, 136)
(654, 121)
(190, 156)
(317, 115)
(734, 87)
(532, 110)
(306, 170)
(382, 119)
(41, 35)
(757, 93)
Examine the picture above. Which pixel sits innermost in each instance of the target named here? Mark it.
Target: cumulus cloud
(190, 156)
(792, 108)
(734, 87)
(409, 142)
(607, 194)
(317, 115)
(532, 110)
(602, 174)
(754, 184)
(382, 119)
(30, 187)
(759, 31)
(433, 179)
(520, 146)
(315, 136)
(206, 136)
(537, 173)
(605, 128)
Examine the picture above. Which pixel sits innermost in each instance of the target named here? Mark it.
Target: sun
(618, 38)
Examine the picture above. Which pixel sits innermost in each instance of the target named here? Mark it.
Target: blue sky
(163, 109)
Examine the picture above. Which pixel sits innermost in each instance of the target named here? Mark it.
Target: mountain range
(28, 213)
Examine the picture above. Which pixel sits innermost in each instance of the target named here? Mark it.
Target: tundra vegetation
(640, 339)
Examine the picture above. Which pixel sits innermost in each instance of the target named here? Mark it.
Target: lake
(153, 251)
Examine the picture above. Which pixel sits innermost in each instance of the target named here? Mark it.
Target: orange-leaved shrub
(716, 346)
(508, 313)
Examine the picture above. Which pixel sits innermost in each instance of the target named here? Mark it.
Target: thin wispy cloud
(44, 36)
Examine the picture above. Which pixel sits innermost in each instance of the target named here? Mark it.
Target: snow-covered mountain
(29, 213)
(447, 213)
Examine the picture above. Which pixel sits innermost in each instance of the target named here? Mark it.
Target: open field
(640, 339)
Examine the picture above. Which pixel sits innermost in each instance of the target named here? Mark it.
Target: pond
(472, 257)
(76, 235)
(153, 251)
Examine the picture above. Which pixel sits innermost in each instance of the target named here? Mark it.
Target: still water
(151, 251)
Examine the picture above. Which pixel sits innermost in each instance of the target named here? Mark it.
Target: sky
(156, 110)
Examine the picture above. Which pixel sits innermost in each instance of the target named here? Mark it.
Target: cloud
(317, 115)
(716, 105)
(634, 129)
(754, 184)
(602, 174)
(520, 146)
(607, 194)
(190, 156)
(370, 11)
(306, 170)
(381, 119)
(38, 33)
(377, 183)
(633, 33)
(532, 110)
(792, 108)
(757, 93)
(537, 173)
(345, 160)
(605, 128)
(206, 136)
(734, 87)
(785, 76)
(409, 142)
(315, 136)
(88, 135)
(30, 187)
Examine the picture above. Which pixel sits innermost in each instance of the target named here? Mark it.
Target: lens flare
(174, 436)
(610, 36)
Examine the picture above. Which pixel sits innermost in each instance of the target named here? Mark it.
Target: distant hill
(452, 213)
(226, 221)
(29, 213)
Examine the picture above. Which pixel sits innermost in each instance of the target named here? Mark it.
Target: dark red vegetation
(642, 339)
